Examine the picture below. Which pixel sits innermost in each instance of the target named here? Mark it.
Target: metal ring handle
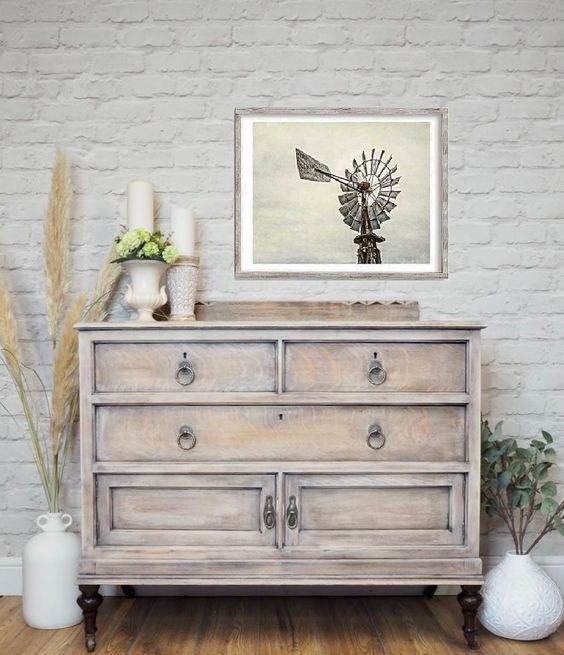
(376, 438)
(185, 374)
(376, 372)
(186, 438)
(269, 514)
(292, 513)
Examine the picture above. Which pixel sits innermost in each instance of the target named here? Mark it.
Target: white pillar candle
(183, 231)
(140, 205)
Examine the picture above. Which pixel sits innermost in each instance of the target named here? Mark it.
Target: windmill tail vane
(369, 190)
(310, 168)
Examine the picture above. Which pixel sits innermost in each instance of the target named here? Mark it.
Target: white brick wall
(148, 88)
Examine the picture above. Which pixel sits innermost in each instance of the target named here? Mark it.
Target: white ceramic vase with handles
(521, 601)
(146, 293)
(50, 570)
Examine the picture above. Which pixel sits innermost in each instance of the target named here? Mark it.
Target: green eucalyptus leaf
(549, 489)
(486, 432)
(504, 479)
(549, 506)
(547, 436)
(549, 453)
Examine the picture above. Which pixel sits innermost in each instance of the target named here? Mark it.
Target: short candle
(183, 231)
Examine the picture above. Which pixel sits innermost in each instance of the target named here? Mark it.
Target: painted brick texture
(148, 89)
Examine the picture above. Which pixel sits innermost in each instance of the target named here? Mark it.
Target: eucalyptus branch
(515, 484)
(548, 527)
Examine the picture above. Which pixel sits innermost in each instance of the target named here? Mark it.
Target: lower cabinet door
(374, 512)
(186, 510)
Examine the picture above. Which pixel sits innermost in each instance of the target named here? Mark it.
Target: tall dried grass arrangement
(56, 243)
(12, 359)
(64, 399)
(62, 407)
(8, 330)
(105, 285)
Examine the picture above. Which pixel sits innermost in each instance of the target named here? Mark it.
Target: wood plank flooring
(266, 626)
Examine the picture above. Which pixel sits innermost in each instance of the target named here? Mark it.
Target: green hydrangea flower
(143, 234)
(170, 255)
(142, 244)
(151, 249)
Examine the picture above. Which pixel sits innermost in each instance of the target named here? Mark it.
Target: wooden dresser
(280, 453)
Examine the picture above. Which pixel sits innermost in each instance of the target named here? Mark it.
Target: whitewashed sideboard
(280, 453)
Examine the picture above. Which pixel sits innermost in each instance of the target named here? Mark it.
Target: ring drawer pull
(376, 438)
(292, 513)
(186, 438)
(269, 514)
(185, 374)
(376, 372)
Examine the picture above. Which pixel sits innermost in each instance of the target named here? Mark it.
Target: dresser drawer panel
(370, 511)
(186, 510)
(286, 433)
(375, 366)
(231, 366)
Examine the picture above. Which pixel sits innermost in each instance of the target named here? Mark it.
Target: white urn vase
(146, 293)
(521, 601)
(50, 570)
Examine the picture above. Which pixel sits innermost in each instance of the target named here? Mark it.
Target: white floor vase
(50, 569)
(521, 601)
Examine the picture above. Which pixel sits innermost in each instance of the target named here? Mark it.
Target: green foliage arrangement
(142, 244)
(516, 485)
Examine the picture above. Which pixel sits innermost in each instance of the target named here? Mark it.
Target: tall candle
(140, 205)
(183, 229)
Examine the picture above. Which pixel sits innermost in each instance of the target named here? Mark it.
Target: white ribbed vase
(521, 601)
(146, 293)
(50, 569)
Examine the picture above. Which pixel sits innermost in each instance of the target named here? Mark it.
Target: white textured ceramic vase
(521, 601)
(146, 293)
(181, 280)
(50, 570)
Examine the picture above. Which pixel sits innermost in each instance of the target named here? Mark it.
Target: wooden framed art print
(341, 193)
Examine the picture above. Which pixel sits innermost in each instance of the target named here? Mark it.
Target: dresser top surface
(255, 324)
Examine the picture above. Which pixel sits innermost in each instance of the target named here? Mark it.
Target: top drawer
(203, 366)
(375, 366)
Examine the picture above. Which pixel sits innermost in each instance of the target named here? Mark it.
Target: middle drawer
(291, 433)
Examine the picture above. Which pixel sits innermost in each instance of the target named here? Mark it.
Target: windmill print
(369, 189)
(340, 193)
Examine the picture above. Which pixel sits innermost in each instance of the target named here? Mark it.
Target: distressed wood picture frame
(315, 189)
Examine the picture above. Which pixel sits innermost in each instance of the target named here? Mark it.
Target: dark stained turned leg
(429, 591)
(89, 601)
(128, 591)
(470, 600)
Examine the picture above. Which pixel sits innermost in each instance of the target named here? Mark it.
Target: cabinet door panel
(184, 510)
(410, 511)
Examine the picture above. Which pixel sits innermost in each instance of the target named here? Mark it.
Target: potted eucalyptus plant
(520, 600)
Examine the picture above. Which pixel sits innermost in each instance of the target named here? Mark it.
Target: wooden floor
(266, 626)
